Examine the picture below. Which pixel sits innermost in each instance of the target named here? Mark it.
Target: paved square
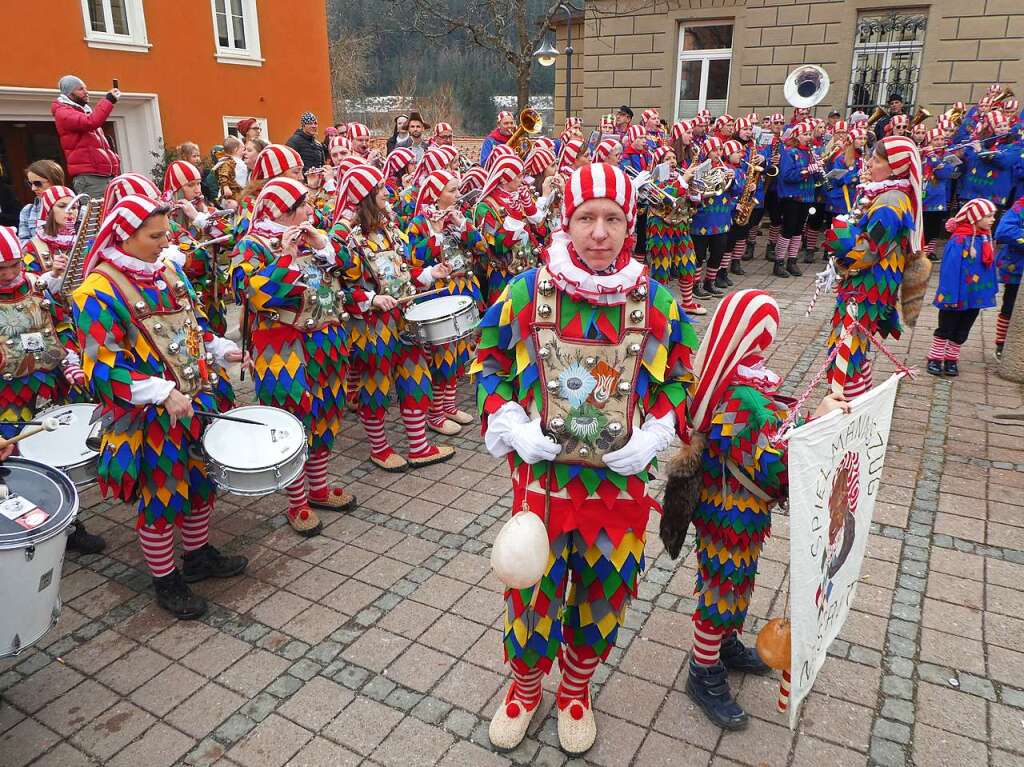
(378, 643)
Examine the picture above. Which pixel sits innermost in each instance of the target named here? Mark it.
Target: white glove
(511, 429)
(517, 227)
(646, 442)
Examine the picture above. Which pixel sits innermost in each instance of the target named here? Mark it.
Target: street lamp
(547, 53)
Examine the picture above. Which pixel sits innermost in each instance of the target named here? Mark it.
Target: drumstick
(47, 424)
(433, 292)
(235, 418)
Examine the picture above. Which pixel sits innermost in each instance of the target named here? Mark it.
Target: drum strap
(132, 295)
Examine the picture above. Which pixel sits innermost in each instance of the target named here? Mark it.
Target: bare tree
(506, 27)
(350, 69)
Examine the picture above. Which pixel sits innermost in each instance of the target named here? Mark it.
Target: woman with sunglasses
(39, 176)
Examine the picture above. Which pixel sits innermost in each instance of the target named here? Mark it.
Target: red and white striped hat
(723, 121)
(121, 223)
(904, 160)
(358, 130)
(604, 149)
(499, 151)
(986, 101)
(704, 114)
(647, 114)
(778, 117)
(944, 122)
(607, 123)
(358, 183)
(840, 127)
(661, 153)
(540, 159)
(971, 212)
(731, 146)
(276, 198)
(126, 184)
(573, 122)
(996, 122)
(431, 189)
(10, 246)
(440, 128)
(599, 180)
(475, 177)
(503, 170)
(859, 132)
(899, 121)
(51, 197)
(435, 158)
(503, 114)
(679, 127)
(339, 142)
(398, 159)
(544, 142)
(713, 144)
(932, 135)
(741, 330)
(753, 117)
(1010, 105)
(744, 123)
(275, 160)
(635, 132)
(570, 152)
(179, 173)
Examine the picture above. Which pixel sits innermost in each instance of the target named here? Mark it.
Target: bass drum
(32, 549)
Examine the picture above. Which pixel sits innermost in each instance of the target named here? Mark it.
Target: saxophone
(74, 273)
(745, 204)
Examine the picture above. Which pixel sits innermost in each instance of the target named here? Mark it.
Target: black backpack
(210, 189)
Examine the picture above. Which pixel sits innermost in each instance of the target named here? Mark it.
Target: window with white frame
(236, 32)
(702, 74)
(230, 123)
(115, 24)
(886, 58)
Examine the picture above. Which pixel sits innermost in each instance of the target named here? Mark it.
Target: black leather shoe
(738, 657)
(698, 290)
(708, 687)
(174, 595)
(85, 542)
(792, 268)
(749, 254)
(934, 367)
(999, 351)
(722, 280)
(769, 252)
(779, 270)
(207, 562)
(951, 369)
(810, 256)
(712, 289)
(736, 267)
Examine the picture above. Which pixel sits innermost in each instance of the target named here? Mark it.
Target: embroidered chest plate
(174, 334)
(43, 253)
(28, 341)
(386, 265)
(589, 399)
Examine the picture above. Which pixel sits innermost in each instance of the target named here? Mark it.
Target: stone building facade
(734, 55)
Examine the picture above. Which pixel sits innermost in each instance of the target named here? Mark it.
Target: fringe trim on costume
(682, 494)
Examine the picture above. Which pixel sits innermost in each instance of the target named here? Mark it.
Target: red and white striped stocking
(298, 495)
(686, 290)
(811, 238)
(707, 642)
(316, 472)
(782, 248)
(525, 690)
(195, 530)
(938, 350)
(929, 248)
(373, 425)
(952, 352)
(158, 549)
(450, 407)
(578, 665)
(774, 231)
(1002, 325)
(859, 383)
(416, 431)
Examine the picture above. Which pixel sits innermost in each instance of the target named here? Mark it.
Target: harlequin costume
(739, 474)
(201, 262)
(871, 253)
(395, 166)
(299, 342)
(387, 367)
(967, 284)
(143, 337)
(507, 222)
(589, 358)
(1010, 238)
(437, 237)
(434, 159)
(273, 161)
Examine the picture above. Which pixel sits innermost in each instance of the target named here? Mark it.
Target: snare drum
(64, 448)
(31, 559)
(440, 321)
(255, 460)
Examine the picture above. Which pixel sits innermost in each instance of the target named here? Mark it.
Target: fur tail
(682, 493)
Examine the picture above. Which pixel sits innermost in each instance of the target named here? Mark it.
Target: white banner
(835, 470)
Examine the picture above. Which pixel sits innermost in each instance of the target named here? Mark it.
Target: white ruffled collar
(607, 289)
(130, 263)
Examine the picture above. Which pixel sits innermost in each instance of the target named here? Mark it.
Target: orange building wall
(194, 89)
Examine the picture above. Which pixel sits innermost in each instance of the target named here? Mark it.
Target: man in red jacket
(91, 161)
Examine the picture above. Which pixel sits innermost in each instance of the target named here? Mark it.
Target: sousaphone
(806, 86)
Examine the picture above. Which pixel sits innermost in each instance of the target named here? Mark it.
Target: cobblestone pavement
(378, 642)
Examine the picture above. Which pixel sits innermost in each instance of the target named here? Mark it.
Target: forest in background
(383, 49)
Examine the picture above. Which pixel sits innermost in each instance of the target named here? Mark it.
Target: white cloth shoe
(509, 724)
(577, 729)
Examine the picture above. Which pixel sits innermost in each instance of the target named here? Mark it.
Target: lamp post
(547, 54)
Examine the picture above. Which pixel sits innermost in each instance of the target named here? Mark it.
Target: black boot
(708, 687)
(999, 351)
(792, 268)
(85, 542)
(934, 367)
(810, 256)
(769, 251)
(722, 280)
(738, 657)
(698, 290)
(174, 595)
(749, 254)
(712, 289)
(736, 267)
(207, 562)
(779, 270)
(951, 369)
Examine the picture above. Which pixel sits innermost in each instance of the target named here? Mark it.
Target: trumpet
(530, 124)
